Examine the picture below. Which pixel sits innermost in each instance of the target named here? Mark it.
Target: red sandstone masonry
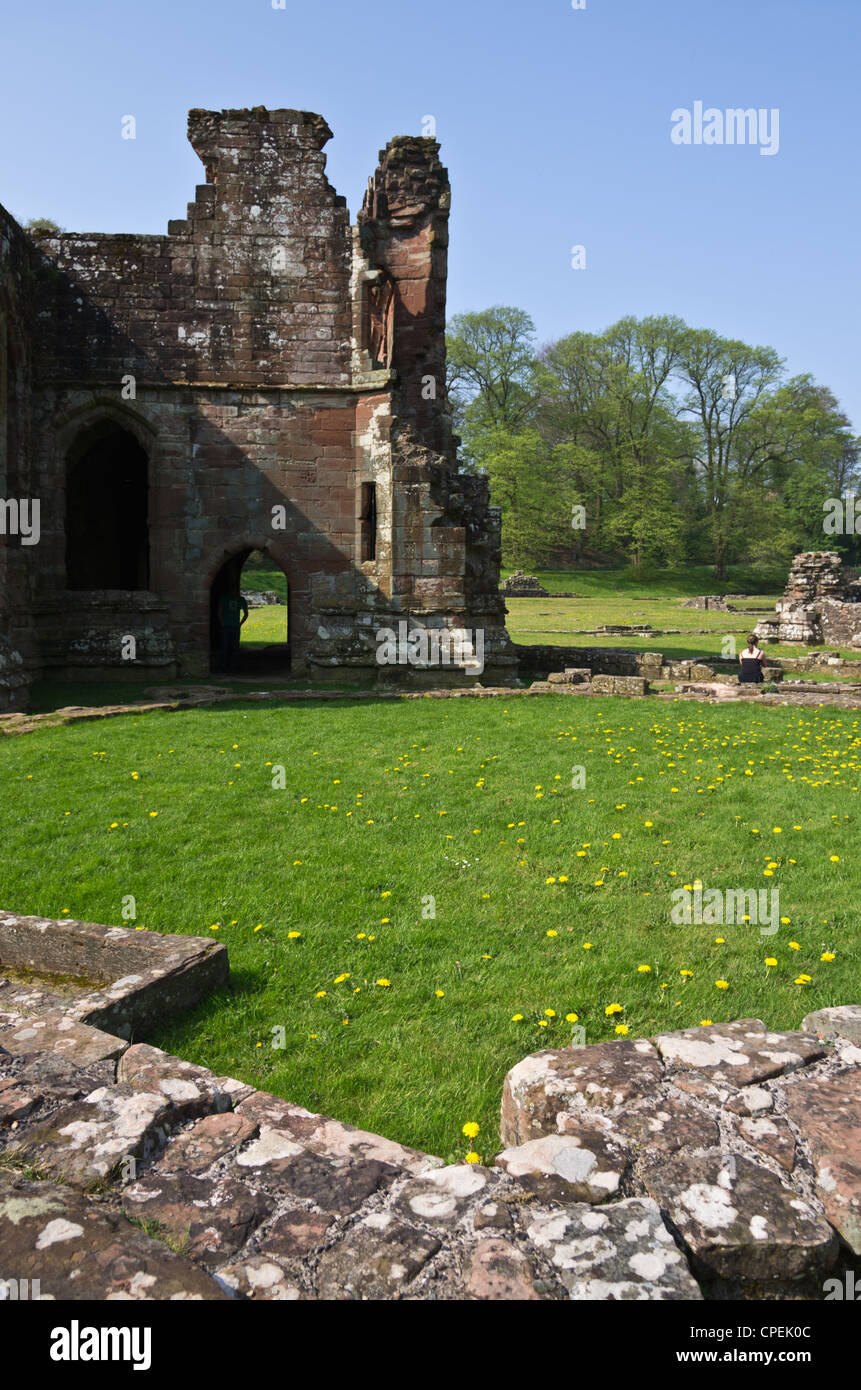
(248, 332)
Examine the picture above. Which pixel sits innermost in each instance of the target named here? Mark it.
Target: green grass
(259, 581)
(687, 582)
(361, 817)
(612, 597)
(265, 626)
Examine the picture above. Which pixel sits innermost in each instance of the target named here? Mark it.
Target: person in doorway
(750, 663)
(232, 613)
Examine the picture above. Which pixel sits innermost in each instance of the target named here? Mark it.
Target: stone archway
(270, 659)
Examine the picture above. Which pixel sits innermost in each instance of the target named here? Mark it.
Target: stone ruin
(262, 598)
(265, 376)
(821, 603)
(722, 1161)
(714, 602)
(520, 585)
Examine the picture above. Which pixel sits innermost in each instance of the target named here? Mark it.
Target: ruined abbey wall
(18, 657)
(264, 362)
(821, 603)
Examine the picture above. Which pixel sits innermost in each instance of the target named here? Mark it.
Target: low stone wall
(722, 1161)
(115, 978)
(85, 636)
(622, 661)
(265, 598)
(711, 602)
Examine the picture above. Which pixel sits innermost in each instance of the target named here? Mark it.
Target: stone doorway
(264, 648)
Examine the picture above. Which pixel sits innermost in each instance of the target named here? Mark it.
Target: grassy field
(549, 901)
(265, 626)
(608, 597)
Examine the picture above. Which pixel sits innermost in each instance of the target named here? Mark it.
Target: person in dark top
(750, 662)
(232, 612)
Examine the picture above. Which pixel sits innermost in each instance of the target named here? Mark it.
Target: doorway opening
(260, 643)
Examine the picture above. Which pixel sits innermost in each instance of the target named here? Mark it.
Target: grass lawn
(607, 597)
(687, 582)
(265, 626)
(547, 898)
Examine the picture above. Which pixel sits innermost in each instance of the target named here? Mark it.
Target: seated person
(750, 662)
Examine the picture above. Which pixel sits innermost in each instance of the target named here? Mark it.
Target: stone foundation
(720, 1161)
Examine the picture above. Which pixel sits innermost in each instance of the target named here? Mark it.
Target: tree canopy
(653, 442)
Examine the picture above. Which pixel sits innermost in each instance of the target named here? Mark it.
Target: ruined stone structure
(265, 376)
(821, 603)
(714, 603)
(520, 585)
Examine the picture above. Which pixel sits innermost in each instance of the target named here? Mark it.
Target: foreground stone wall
(721, 1160)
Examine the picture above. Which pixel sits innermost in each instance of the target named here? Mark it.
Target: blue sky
(554, 123)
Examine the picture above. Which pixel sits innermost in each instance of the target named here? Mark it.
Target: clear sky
(555, 125)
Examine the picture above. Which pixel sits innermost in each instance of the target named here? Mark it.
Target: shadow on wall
(107, 523)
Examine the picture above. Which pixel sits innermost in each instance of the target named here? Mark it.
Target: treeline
(653, 443)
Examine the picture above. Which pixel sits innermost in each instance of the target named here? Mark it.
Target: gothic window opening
(107, 530)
